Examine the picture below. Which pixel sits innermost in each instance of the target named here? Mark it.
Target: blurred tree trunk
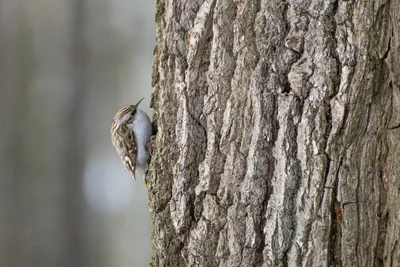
(278, 133)
(41, 146)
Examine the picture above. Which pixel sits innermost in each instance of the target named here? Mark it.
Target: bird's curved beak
(137, 104)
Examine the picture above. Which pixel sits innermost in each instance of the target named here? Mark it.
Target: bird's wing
(129, 155)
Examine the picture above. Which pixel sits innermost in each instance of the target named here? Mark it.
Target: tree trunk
(278, 133)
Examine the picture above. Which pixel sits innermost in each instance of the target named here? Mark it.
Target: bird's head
(125, 115)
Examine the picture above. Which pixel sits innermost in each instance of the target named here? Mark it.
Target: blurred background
(66, 67)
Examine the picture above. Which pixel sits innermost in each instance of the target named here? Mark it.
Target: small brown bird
(131, 133)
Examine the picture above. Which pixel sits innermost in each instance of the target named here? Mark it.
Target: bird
(131, 135)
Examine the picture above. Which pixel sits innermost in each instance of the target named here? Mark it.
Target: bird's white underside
(142, 128)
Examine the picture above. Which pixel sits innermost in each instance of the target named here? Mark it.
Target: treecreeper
(131, 135)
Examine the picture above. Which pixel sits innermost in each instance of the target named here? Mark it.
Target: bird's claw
(149, 145)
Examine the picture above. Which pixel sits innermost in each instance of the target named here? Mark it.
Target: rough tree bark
(278, 133)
